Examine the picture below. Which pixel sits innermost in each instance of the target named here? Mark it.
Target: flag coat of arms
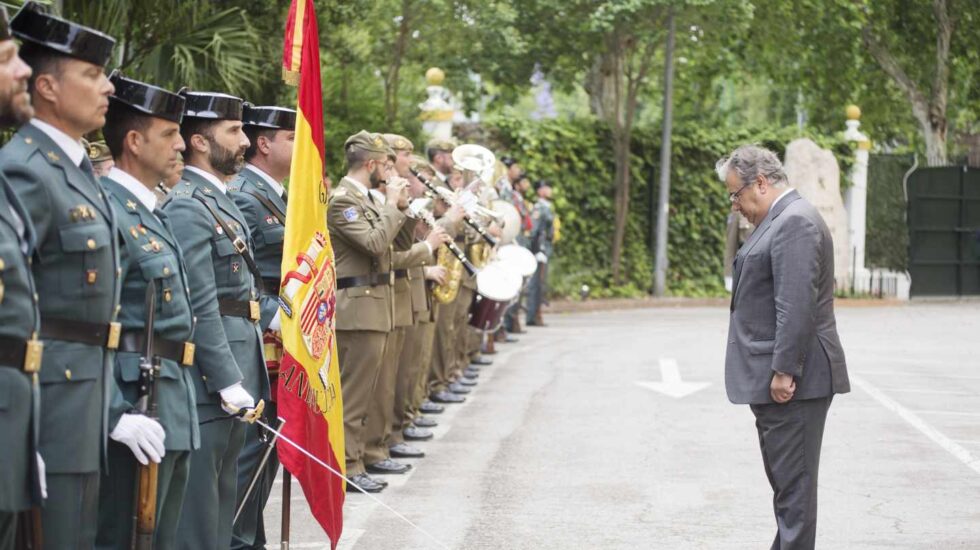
(309, 396)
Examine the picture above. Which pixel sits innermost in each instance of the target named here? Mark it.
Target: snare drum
(497, 285)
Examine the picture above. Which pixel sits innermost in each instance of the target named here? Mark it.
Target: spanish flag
(309, 396)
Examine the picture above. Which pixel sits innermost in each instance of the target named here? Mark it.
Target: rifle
(145, 504)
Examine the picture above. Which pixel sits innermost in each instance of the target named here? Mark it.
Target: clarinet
(430, 220)
(490, 239)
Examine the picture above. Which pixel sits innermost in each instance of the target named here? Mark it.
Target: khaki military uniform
(362, 232)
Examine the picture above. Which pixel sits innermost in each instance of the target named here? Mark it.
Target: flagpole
(287, 487)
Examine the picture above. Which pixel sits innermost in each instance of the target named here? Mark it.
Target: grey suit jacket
(782, 310)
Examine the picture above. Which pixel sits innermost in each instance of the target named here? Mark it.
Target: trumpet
(452, 200)
(420, 207)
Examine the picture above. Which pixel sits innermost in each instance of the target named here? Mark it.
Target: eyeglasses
(733, 197)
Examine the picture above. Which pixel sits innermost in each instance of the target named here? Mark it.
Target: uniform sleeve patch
(350, 214)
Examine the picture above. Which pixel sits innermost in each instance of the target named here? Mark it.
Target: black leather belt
(374, 279)
(21, 354)
(135, 341)
(246, 309)
(104, 335)
(270, 285)
(401, 273)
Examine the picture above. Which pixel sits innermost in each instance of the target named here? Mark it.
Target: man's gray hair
(751, 161)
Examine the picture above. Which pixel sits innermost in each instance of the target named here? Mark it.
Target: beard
(375, 178)
(226, 161)
(15, 106)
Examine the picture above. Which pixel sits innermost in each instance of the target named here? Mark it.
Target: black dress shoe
(446, 397)
(428, 407)
(459, 388)
(404, 450)
(481, 361)
(388, 466)
(466, 381)
(365, 482)
(425, 422)
(471, 373)
(414, 433)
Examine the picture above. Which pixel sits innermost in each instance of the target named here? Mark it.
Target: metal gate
(944, 231)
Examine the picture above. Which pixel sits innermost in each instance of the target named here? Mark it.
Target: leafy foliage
(577, 156)
(887, 242)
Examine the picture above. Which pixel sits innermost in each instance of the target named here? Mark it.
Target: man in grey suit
(784, 357)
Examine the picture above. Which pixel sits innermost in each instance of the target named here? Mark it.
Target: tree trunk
(392, 76)
(621, 154)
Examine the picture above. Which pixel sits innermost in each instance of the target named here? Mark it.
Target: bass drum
(518, 258)
(497, 285)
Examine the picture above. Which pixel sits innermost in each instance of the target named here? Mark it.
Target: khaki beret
(98, 151)
(419, 163)
(399, 143)
(441, 145)
(370, 142)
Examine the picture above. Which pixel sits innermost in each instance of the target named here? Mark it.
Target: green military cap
(370, 142)
(440, 144)
(399, 143)
(98, 151)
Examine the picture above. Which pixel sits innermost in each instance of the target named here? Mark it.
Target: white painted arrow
(672, 385)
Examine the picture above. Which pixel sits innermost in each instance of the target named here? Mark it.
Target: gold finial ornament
(435, 76)
(853, 112)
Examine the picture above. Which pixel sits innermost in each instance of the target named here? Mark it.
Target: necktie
(285, 195)
(86, 166)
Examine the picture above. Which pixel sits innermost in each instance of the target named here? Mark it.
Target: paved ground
(560, 447)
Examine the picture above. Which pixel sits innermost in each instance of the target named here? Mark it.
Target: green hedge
(577, 156)
(887, 241)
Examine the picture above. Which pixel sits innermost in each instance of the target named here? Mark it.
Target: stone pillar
(856, 200)
(437, 111)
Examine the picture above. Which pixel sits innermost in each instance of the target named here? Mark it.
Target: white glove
(541, 258)
(235, 398)
(143, 435)
(42, 476)
(275, 323)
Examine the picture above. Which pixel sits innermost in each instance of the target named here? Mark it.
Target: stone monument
(437, 111)
(814, 172)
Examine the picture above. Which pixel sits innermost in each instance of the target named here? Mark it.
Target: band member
(259, 193)
(362, 231)
(444, 356)
(46, 165)
(542, 239)
(228, 369)
(20, 349)
(143, 135)
(407, 255)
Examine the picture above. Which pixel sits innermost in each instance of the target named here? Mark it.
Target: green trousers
(249, 531)
(212, 488)
(117, 495)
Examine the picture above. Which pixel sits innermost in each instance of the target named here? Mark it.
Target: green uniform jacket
(75, 271)
(149, 251)
(411, 257)
(229, 349)
(543, 230)
(266, 231)
(19, 318)
(362, 232)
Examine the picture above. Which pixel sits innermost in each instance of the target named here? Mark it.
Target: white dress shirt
(275, 185)
(73, 148)
(208, 176)
(133, 185)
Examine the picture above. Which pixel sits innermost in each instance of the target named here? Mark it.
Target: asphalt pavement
(612, 430)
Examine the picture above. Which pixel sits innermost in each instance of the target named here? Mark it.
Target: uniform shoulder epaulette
(338, 192)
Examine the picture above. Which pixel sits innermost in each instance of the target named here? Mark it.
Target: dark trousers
(212, 488)
(117, 494)
(70, 513)
(790, 436)
(537, 292)
(249, 532)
